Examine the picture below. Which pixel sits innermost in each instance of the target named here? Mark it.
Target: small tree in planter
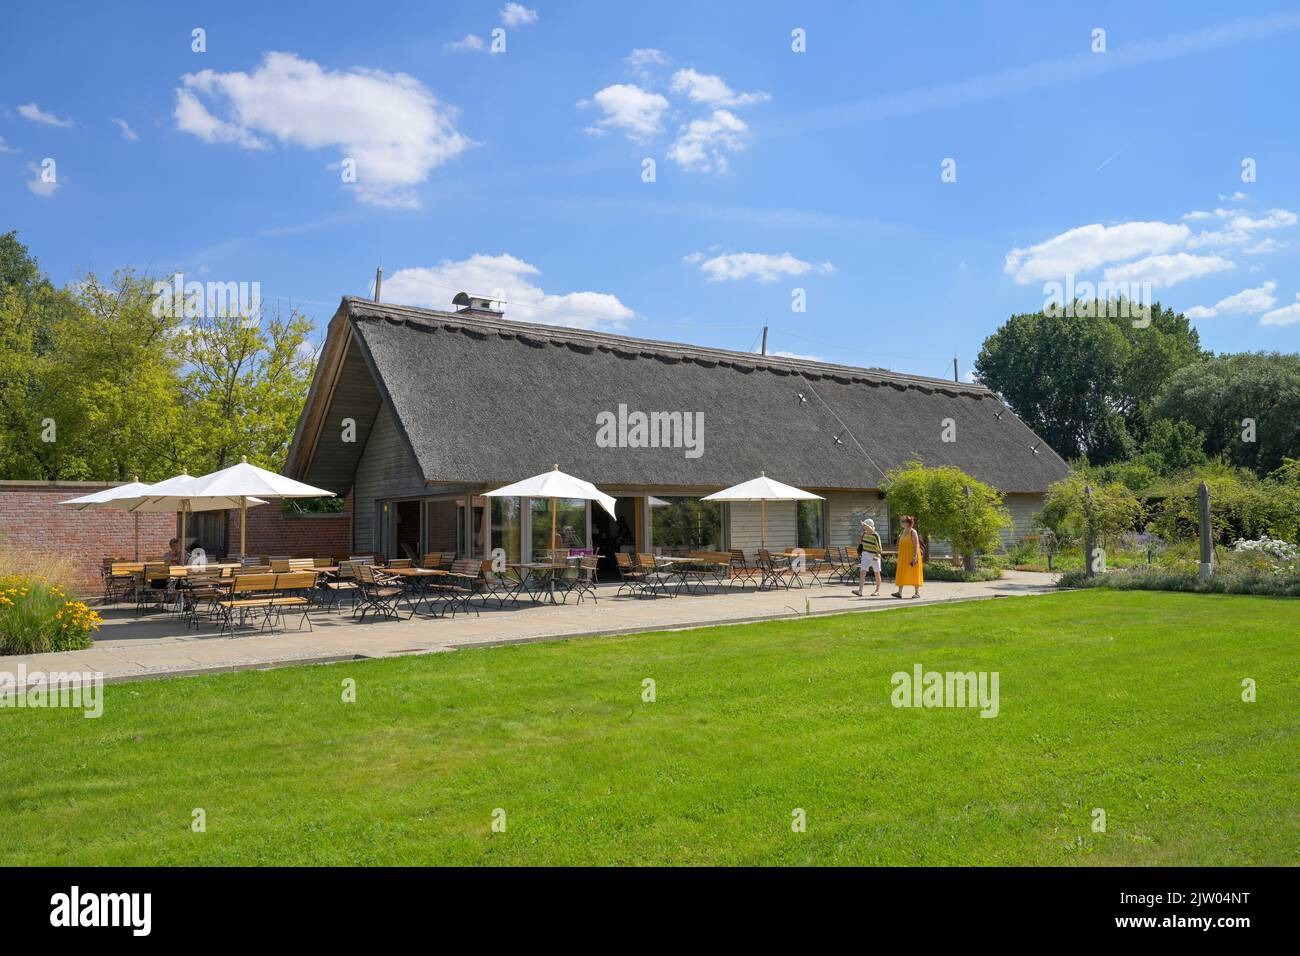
(1112, 509)
(949, 504)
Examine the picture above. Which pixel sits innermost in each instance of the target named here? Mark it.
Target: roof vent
(471, 304)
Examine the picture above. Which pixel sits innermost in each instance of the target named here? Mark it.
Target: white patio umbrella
(106, 499)
(762, 489)
(555, 484)
(181, 494)
(244, 484)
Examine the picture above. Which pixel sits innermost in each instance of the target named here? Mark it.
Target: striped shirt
(870, 542)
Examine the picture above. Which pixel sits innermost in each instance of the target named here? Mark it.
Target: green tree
(245, 381)
(96, 382)
(1086, 383)
(115, 361)
(949, 504)
(19, 272)
(1174, 446)
(1068, 510)
(1247, 405)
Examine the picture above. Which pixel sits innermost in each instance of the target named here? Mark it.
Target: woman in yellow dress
(910, 561)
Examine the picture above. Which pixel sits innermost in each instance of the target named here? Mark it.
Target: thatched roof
(488, 399)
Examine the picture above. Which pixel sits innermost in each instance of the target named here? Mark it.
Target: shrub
(37, 616)
(949, 504)
(1241, 506)
(1024, 550)
(942, 571)
(1112, 509)
(1224, 581)
(1282, 553)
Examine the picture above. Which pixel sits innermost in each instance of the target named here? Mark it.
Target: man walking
(869, 549)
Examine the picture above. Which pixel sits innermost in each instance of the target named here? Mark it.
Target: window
(508, 526)
(444, 527)
(570, 524)
(685, 524)
(812, 526)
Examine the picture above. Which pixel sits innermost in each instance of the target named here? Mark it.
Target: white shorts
(869, 562)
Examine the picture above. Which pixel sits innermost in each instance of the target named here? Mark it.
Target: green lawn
(1130, 702)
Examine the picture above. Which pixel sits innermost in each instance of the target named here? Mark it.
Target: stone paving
(133, 647)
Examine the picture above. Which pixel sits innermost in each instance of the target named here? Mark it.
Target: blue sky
(522, 170)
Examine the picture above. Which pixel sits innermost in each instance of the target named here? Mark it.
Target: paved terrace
(159, 645)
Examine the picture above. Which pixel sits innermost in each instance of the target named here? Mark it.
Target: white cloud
(1238, 196)
(1166, 270)
(128, 133)
(5, 148)
(1287, 315)
(1265, 246)
(637, 112)
(193, 117)
(511, 279)
(517, 15)
(393, 127)
(1087, 247)
(756, 265)
(471, 43)
(702, 145)
(641, 62)
(1239, 228)
(38, 186)
(1245, 302)
(711, 90)
(37, 115)
(1198, 214)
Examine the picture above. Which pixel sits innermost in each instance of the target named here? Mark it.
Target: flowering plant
(37, 616)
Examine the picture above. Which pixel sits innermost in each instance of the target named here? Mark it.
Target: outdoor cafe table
(690, 572)
(182, 570)
(417, 579)
(543, 573)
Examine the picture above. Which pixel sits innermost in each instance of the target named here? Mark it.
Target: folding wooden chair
(631, 578)
(379, 592)
(503, 586)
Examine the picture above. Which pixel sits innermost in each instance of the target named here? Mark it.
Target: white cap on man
(868, 523)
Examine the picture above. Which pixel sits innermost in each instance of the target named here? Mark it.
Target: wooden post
(1207, 541)
(1089, 542)
(136, 516)
(379, 281)
(968, 557)
(765, 340)
(954, 369)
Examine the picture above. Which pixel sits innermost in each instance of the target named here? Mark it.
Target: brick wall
(270, 531)
(32, 522)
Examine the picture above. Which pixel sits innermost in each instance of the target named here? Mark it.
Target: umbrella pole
(552, 554)
(762, 524)
(243, 525)
(183, 561)
(136, 515)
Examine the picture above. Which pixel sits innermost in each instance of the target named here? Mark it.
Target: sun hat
(869, 523)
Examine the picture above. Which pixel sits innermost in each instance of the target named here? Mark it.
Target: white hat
(869, 523)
